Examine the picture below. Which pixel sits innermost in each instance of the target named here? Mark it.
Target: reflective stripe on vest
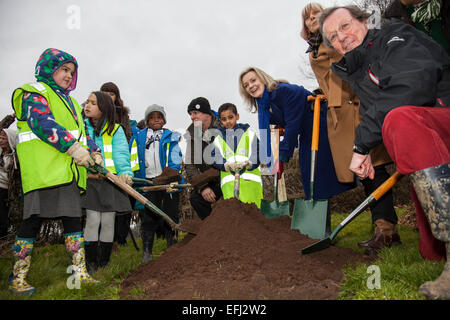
(134, 161)
(167, 154)
(29, 135)
(246, 176)
(108, 148)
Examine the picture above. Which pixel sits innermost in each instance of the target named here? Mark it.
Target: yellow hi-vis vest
(41, 165)
(108, 151)
(250, 187)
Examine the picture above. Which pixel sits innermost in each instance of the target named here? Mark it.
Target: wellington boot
(91, 249)
(75, 247)
(146, 256)
(104, 253)
(147, 246)
(439, 288)
(22, 249)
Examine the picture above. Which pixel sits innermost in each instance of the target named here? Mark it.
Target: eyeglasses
(344, 27)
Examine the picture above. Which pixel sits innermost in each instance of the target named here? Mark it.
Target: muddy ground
(239, 254)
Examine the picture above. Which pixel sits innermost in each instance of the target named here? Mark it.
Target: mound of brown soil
(239, 254)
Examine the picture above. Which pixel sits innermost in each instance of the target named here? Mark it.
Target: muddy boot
(75, 248)
(147, 246)
(385, 235)
(432, 187)
(439, 288)
(104, 253)
(91, 249)
(22, 249)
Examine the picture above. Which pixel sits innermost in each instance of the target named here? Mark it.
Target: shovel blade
(310, 217)
(320, 245)
(274, 209)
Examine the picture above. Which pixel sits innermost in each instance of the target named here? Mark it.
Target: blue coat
(175, 155)
(292, 111)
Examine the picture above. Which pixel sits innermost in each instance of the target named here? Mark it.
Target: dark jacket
(191, 167)
(292, 111)
(399, 11)
(396, 65)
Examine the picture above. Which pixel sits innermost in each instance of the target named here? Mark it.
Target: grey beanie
(157, 108)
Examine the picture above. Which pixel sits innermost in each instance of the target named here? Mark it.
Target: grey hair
(355, 12)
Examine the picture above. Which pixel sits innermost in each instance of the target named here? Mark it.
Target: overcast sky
(164, 52)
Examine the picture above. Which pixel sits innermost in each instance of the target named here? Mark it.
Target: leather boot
(432, 186)
(147, 246)
(91, 249)
(22, 249)
(75, 248)
(385, 235)
(104, 253)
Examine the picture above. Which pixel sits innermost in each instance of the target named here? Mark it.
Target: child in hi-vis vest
(236, 150)
(103, 198)
(53, 153)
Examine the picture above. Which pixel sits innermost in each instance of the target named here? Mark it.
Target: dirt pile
(239, 254)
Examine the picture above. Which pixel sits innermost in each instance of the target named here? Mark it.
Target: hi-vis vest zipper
(250, 189)
(41, 165)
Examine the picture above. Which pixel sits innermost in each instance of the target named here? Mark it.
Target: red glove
(280, 169)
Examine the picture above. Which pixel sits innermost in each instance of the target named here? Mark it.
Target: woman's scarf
(264, 121)
(314, 42)
(426, 12)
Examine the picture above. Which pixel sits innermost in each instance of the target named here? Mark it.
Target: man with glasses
(402, 78)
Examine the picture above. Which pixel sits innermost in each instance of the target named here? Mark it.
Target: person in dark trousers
(402, 78)
(200, 134)
(123, 219)
(159, 156)
(342, 119)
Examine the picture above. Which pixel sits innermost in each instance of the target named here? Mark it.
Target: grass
(401, 269)
(48, 274)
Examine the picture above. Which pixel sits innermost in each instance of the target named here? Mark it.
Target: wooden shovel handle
(388, 184)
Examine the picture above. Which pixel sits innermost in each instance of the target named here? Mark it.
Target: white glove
(230, 166)
(247, 164)
(80, 155)
(97, 156)
(126, 178)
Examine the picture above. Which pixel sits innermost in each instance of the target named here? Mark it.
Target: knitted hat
(157, 108)
(199, 104)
